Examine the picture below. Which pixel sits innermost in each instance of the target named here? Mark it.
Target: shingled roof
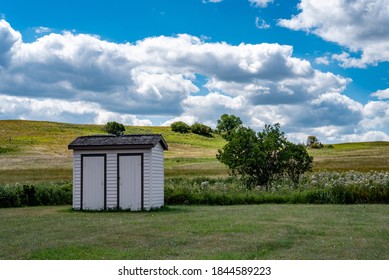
(128, 141)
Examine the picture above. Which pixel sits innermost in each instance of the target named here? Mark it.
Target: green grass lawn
(198, 232)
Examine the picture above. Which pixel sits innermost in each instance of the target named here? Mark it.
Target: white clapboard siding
(76, 180)
(111, 198)
(146, 179)
(157, 177)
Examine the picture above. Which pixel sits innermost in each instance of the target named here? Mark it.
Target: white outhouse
(118, 172)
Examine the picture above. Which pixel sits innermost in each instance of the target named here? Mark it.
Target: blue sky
(316, 67)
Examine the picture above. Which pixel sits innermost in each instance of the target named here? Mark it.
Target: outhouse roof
(127, 141)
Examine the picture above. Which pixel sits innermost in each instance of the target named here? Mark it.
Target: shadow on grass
(76, 252)
(163, 209)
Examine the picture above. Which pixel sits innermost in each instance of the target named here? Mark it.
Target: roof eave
(163, 144)
(108, 147)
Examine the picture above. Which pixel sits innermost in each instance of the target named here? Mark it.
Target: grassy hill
(33, 151)
(360, 156)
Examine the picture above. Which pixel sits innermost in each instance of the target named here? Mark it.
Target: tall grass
(318, 188)
(315, 188)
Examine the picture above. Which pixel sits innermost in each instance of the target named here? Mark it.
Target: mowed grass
(32, 152)
(198, 232)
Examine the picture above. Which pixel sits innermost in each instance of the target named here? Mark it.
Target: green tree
(239, 152)
(227, 125)
(114, 128)
(271, 144)
(297, 161)
(312, 140)
(261, 157)
(201, 129)
(180, 127)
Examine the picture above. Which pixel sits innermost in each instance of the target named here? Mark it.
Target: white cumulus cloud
(359, 25)
(261, 23)
(211, 1)
(322, 60)
(381, 94)
(83, 79)
(61, 111)
(260, 3)
(42, 29)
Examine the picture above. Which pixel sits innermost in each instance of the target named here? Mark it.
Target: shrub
(30, 195)
(316, 145)
(10, 196)
(5, 150)
(180, 127)
(114, 128)
(201, 129)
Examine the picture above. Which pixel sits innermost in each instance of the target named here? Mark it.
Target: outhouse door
(93, 182)
(130, 173)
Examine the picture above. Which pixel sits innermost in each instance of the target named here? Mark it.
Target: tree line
(197, 128)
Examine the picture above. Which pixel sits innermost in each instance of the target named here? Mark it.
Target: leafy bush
(180, 127)
(4, 150)
(201, 129)
(10, 196)
(114, 128)
(30, 195)
(316, 145)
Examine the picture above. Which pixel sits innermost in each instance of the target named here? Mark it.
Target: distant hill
(33, 151)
